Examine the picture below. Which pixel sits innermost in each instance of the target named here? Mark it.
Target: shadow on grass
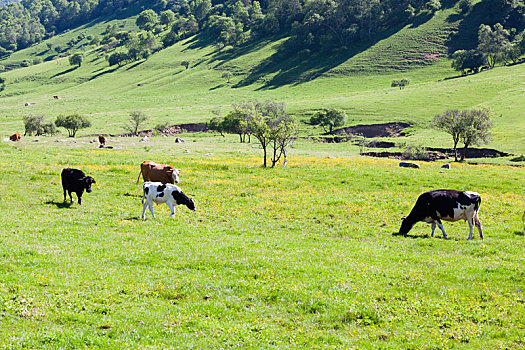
(65, 72)
(104, 72)
(519, 233)
(408, 235)
(134, 218)
(127, 194)
(60, 205)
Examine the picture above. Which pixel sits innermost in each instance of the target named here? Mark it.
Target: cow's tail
(143, 193)
(138, 178)
(477, 204)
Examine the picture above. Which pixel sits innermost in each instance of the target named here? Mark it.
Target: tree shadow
(65, 72)
(519, 233)
(134, 218)
(135, 64)
(217, 87)
(60, 205)
(104, 72)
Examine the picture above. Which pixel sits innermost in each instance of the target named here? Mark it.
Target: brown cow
(15, 137)
(102, 140)
(154, 172)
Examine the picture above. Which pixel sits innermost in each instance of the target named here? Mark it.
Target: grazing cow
(74, 180)
(15, 137)
(152, 171)
(159, 192)
(449, 205)
(409, 165)
(102, 140)
(445, 166)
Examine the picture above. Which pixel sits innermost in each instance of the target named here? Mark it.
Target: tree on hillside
(72, 123)
(450, 122)
(273, 128)
(2, 84)
(37, 126)
(329, 119)
(468, 59)
(476, 127)
(492, 42)
(186, 64)
(401, 84)
(76, 59)
(136, 118)
(167, 18)
(471, 127)
(117, 58)
(147, 20)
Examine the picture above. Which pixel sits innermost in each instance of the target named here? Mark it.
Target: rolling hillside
(358, 82)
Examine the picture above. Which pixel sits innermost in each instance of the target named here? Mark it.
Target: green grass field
(295, 257)
(302, 256)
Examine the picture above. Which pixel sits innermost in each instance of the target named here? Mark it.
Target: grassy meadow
(295, 257)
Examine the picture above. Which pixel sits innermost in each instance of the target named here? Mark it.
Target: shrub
(412, 152)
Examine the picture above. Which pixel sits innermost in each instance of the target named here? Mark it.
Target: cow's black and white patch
(164, 193)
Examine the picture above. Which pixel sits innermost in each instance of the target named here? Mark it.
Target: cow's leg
(79, 195)
(144, 206)
(433, 227)
(70, 196)
(440, 225)
(471, 227)
(478, 225)
(172, 208)
(65, 194)
(150, 206)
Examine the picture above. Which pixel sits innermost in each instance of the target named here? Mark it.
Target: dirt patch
(399, 155)
(472, 152)
(170, 131)
(375, 130)
(432, 56)
(380, 144)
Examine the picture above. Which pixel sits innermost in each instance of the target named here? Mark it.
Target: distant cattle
(164, 173)
(102, 140)
(74, 180)
(15, 137)
(445, 166)
(159, 192)
(408, 165)
(56, 97)
(449, 205)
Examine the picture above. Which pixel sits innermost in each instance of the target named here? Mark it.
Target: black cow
(74, 180)
(449, 205)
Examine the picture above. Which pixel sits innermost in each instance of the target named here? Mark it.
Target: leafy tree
(329, 119)
(117, 58)
(136, 118)
(167, 17)
(228, 75)
(76, 59)
(465, 6)
(2, 84)
(433, 5)
(273, 128)
(36, 125)
(468, 59)
(476, 127)
(186, 64)
(147, 20)
(451, 123)
(471, 127)
(72, 123)
(492, 42)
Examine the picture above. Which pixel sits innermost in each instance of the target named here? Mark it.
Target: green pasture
(296, 257)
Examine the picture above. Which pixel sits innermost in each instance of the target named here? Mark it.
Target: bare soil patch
(374, 130)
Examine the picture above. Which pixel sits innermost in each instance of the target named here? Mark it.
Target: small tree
(476, 127)
(450, 122)
(492, 42)
(72, 123)
(471, 127)
(467, 59)
(167, 17)
(329, 119)
(117, 58)
(228, 75)
(76, 59)
(2, 84)
(186, 64)
(400, 83)
(136, 118)
(147, 20)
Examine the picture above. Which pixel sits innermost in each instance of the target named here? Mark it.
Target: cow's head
(88, 180)
(191, 204)
(174, 173)
(406, 225)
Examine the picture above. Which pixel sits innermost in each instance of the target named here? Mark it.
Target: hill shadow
(289, 67)
(65, 72)
(519, 233)
(102, 73)
(60, 205)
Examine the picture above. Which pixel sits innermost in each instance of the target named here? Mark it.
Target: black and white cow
(159, 192)
(74, 180)
(449, 205)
